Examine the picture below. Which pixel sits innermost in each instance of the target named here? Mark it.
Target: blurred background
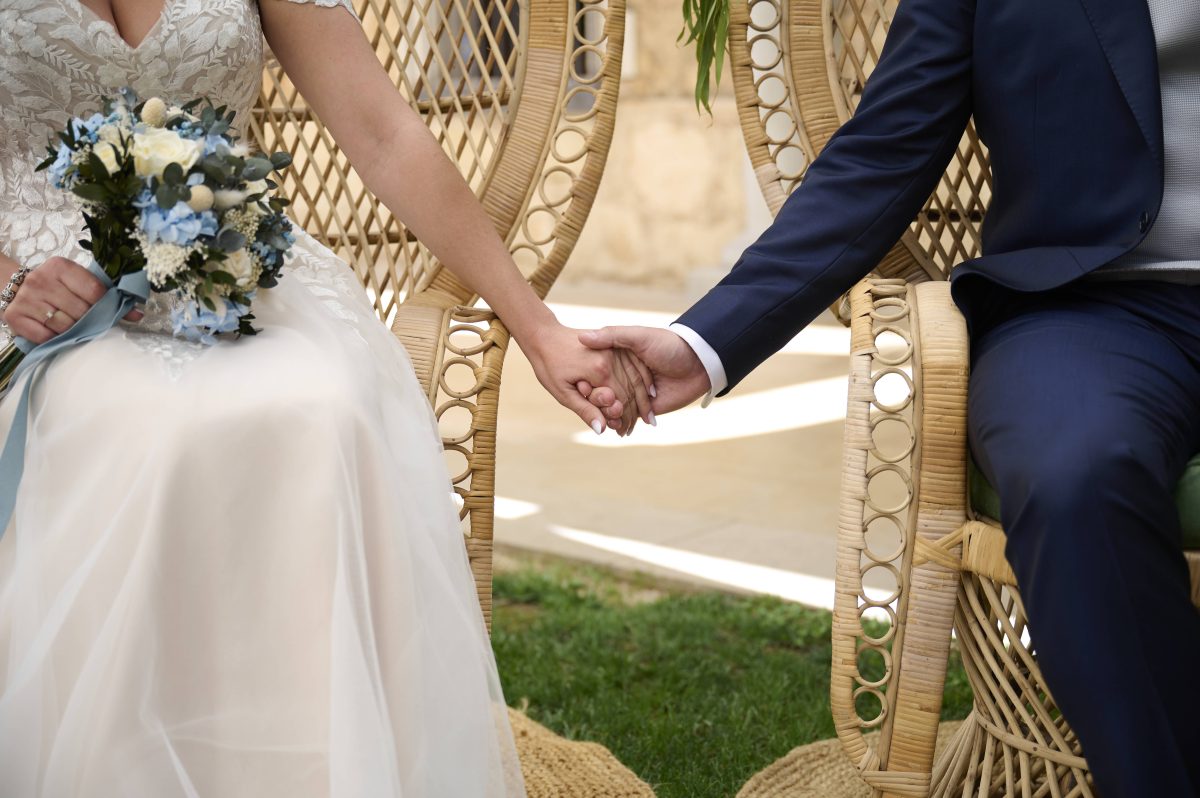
(742, 494)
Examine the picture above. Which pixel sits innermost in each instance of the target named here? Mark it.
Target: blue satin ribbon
(103, 316)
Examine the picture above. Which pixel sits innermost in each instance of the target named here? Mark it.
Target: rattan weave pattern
(522, 96)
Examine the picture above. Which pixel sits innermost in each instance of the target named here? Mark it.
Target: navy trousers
(1084, 409)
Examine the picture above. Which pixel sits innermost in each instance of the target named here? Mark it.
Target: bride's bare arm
(326, 54)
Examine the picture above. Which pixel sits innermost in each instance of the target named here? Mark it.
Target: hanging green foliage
(706, 24)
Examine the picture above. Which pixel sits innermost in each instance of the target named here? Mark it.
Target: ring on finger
(51, 313)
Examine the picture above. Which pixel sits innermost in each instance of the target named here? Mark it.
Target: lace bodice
(58, 59)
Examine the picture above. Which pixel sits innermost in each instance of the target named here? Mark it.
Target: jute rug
(819, 770)
(555, 767)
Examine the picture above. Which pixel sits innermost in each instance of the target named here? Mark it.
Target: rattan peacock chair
(522, 96)
(911, 521)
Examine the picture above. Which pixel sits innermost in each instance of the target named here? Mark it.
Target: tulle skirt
(236, 571)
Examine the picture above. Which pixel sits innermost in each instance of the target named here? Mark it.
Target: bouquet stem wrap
(121, 297)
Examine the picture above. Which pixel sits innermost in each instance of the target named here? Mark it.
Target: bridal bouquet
(173, 203)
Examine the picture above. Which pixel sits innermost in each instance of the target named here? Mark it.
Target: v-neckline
(116, 34)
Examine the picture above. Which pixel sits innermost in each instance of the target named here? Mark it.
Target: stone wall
(677, 198)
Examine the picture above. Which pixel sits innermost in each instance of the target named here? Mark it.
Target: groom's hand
(604, 388)
(679, 376)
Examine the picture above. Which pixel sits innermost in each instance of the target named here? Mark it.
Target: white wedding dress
(234, 571)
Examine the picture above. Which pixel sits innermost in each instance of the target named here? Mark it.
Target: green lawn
(695, 691)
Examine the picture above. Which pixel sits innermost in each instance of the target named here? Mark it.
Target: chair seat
(985, 501)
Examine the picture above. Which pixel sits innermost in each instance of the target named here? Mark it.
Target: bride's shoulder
(346, 4)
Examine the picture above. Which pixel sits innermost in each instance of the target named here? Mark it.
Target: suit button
(1143, 222)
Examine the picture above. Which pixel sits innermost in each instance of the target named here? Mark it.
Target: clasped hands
(615, 376)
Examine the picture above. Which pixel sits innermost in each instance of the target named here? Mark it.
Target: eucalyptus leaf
(90, 192)
(230, 240)
(257, 169)
(213, 169)
(281, 160)
(173, 174)
(165, 196)
(222, 278)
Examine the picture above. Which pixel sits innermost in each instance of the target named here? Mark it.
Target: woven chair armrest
(846, 683)
(932, 571)
(458, 353)
(915, 337)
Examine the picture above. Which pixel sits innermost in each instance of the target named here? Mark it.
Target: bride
(236, 570)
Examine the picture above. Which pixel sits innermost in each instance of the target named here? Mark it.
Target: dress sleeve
(346, 4)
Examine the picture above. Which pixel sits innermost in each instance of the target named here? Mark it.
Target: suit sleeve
(857, 197)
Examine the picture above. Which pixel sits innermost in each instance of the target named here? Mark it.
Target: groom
(1084, 314)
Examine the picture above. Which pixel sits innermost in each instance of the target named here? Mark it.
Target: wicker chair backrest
(520, 93)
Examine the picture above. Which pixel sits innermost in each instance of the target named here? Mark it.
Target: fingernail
(597, 427)
(653, 420)
(653, 391)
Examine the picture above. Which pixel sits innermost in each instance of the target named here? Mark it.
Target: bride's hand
(568, 370)
(53, 297)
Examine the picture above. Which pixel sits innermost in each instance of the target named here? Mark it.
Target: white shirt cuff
(708, 358)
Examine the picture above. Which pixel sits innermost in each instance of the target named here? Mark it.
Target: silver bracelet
(10, 291)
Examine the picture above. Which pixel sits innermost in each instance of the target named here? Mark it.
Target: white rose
(243, 267)
(156, 147)
(112, 133)
(107, 153)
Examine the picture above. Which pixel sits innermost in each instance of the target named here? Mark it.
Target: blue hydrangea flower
(274, 240)
(85, 129)
(190, 130)
(195, 322)
(215, 143)
(177, 225)
(58, 169)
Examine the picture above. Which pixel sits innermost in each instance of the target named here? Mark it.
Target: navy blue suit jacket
(1064, 93)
